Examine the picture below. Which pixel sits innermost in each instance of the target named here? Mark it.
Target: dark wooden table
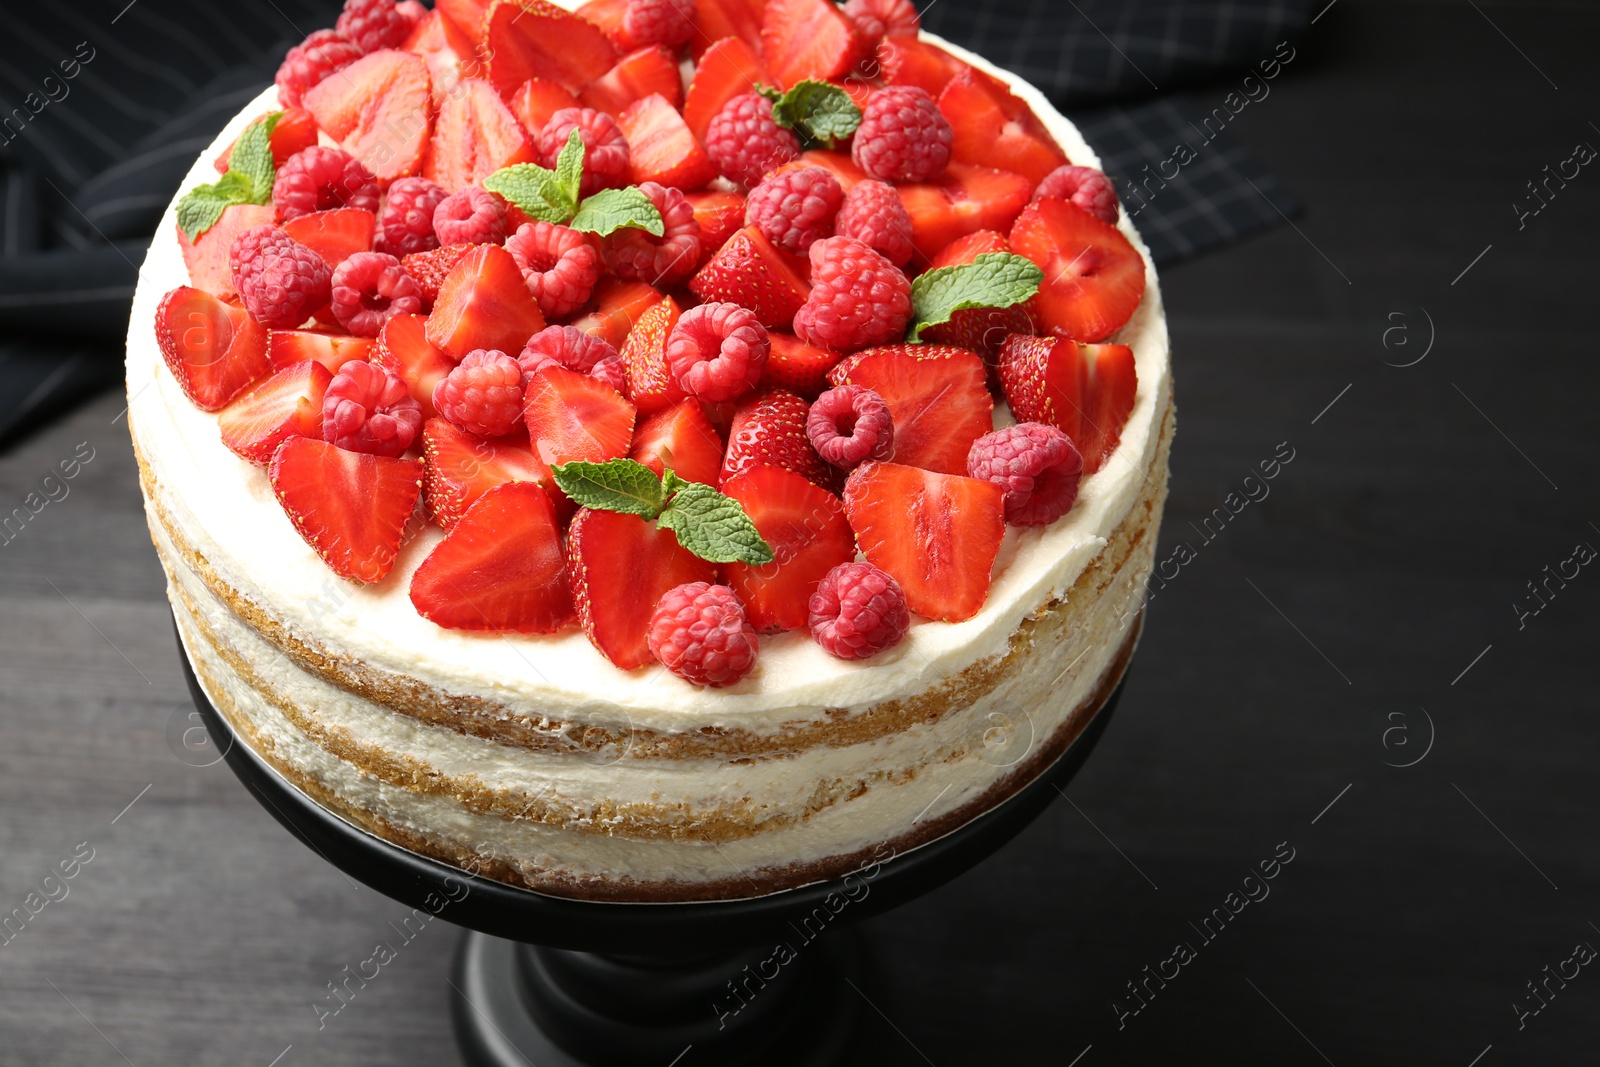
(1363, 614)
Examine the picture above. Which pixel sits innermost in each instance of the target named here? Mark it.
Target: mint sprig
(552, 195)
(993, 280)
(610, 210)
(706, 523)
(248, 180)
(820, 114)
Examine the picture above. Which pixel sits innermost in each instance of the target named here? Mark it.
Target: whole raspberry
(559, 265)
(367, 409)
(312, 60)
(369, 289)
(318, 178)
(903, 136)
(373, 24)
(849, 425)
(1085, 187)
(744, 141)
(661, 261)
(565, 346)
(405, 225)
(605, 150)
(878, 19)
(700, 633)
(873, 214)
(858, 299)
(716, 351)
(470, 216)
(1036, 464)
(858, 611)
(612, 371)
(282, 282)
(796, 208)
(482, 395)
(668, 22)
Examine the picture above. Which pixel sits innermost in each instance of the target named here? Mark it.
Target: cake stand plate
(556, 982)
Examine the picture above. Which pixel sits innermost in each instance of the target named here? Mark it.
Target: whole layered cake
(665, 451)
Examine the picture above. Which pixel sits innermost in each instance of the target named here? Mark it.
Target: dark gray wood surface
(1367, 601)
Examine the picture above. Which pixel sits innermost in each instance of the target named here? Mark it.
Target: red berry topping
(769, 429)
(307, 63)
(903, 136)
(612, 371)
(699, 632)
(873, 214)
(559, 264)
(806, 529)
(716, 351)
(483, 395)
(351, 508)
(858, 611)
(214, 350)
(1088, 188)
(565, 346)
(659, 261)
(370, 288)
(796, 208)
(373, 24)
(430, 269)
(281, 281)
(937, 396)
(1093, 276)
(1038, 467)
(878, 19)
(744, 141)
(405, 225)
(470, 216)
(367, 409)
(605, 149)
(668, 22)
(318, 178)
(849, 425)
(858, 298)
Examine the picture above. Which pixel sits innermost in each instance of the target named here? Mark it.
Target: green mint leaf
(610, 210)
(199, 210)
(616, 485)
(769, 92)
(714, 527)
(251, 158)
(822, 115)
(993, 280)
(569, 167)
(539, 192)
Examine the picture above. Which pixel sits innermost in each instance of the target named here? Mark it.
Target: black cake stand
(551, 982)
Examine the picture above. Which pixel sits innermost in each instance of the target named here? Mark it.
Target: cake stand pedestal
(552, 982)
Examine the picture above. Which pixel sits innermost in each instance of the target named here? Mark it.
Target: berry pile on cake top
(679, 359)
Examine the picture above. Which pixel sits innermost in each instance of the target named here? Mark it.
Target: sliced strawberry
(484, 303)
(769, 428)
(749, 271)
(469, 17)
(796, 366)
(351, 507)
(335, 234)
(285, 348)
(535, 39)
(207, 257)
(1093, 277)
(729, 68)
(536, 100)
(809, 39)
(909, 61)
(474, 135)
(651, 69)
(403, 348)
(214, 349)
(378, 110)
(501, 567)
(720, 215)
(460, 467)
(717, 19)
(618, 304)
(651, 385)
(809, 535)
(620, 566)
(937, 399)
(431, 268)
(962, 200)
(610, 16)
(573, 416)
(936, 534)
(285, 405)
(997, 132)
(451, 55)
(967, 249)
(1085, 390)
(682, 438)
(295, 129)
(661, 148)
